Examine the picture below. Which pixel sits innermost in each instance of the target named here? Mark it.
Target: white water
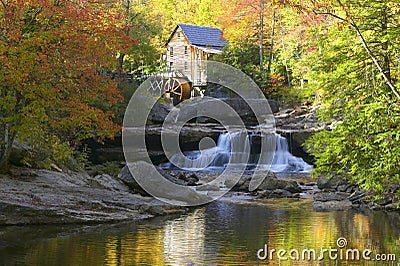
(284, 161)
(218, 157)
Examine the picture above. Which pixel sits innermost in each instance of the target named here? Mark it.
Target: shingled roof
(202, 36)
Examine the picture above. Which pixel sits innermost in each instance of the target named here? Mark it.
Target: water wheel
(156, 86)
(179, 89)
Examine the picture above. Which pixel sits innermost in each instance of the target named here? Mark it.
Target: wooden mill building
(188, 46)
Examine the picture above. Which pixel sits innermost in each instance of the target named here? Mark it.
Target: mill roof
(202, 36)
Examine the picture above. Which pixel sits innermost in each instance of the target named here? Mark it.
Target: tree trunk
(127, 5)
(271, 48)
(261, 33)
(5, 150)
(120, 62)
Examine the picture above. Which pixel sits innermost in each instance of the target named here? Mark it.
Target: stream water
(227, 232)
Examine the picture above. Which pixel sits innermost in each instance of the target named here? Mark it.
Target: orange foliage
(51, 54)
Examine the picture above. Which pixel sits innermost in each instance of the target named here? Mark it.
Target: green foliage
(47, 150)
(362, 143)
(112, 169)
(243, 56)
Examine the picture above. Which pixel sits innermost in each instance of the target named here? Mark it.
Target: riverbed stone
(332, 205)
(330, 196)
(159, 112)
(330, 183)
(268, 186)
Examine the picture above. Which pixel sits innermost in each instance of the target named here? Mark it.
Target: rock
(18, 153)
(207, 187)
(384, 201)
(270, 184)
(194, 177)
(330, 196)
(33, 196)
(282, 193)
(159, 112)
(162, 188)
(392, 207)
(191, 181)
(110, 183)
(217, 91)
(333, 201)
(342, 188)
(292, 187)
(274, 106)
(334, 205)
(126, 177)
(330, 183)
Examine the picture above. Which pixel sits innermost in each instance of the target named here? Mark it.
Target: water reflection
(184, 239)
(218, 234)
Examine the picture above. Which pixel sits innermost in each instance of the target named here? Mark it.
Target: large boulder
(159, 112)
(331, 183)
(168, 188)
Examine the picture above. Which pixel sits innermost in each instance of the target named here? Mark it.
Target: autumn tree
(51, 91)
(246, 19)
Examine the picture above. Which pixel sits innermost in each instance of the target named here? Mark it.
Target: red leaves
(51, 54)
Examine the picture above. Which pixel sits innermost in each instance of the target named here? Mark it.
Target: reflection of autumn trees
(221, 233)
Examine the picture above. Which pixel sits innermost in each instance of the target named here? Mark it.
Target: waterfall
(245, 152)
(284, 161)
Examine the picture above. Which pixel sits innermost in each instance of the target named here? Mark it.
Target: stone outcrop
(336, 194)
(270, 187)
(160, 110)
(48, 197)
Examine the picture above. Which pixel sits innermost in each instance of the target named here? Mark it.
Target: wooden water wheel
(156, 86)
(179, 89)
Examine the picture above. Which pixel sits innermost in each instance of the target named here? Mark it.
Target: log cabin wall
(189, 47)
(179, 54)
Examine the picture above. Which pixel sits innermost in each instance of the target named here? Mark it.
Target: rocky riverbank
(338, 194)
(29, 196)
(36, 196)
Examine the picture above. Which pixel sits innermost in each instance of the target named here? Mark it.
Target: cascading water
(284, 161)
(219, 156)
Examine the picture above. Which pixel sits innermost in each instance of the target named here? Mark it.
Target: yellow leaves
(395, 7)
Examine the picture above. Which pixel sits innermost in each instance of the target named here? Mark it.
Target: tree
(360, 107)
(244, 20)
(51, 54)
(383, 67)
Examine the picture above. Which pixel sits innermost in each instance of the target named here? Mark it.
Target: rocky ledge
(36, 196)
(339, 194)
(30, 196)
